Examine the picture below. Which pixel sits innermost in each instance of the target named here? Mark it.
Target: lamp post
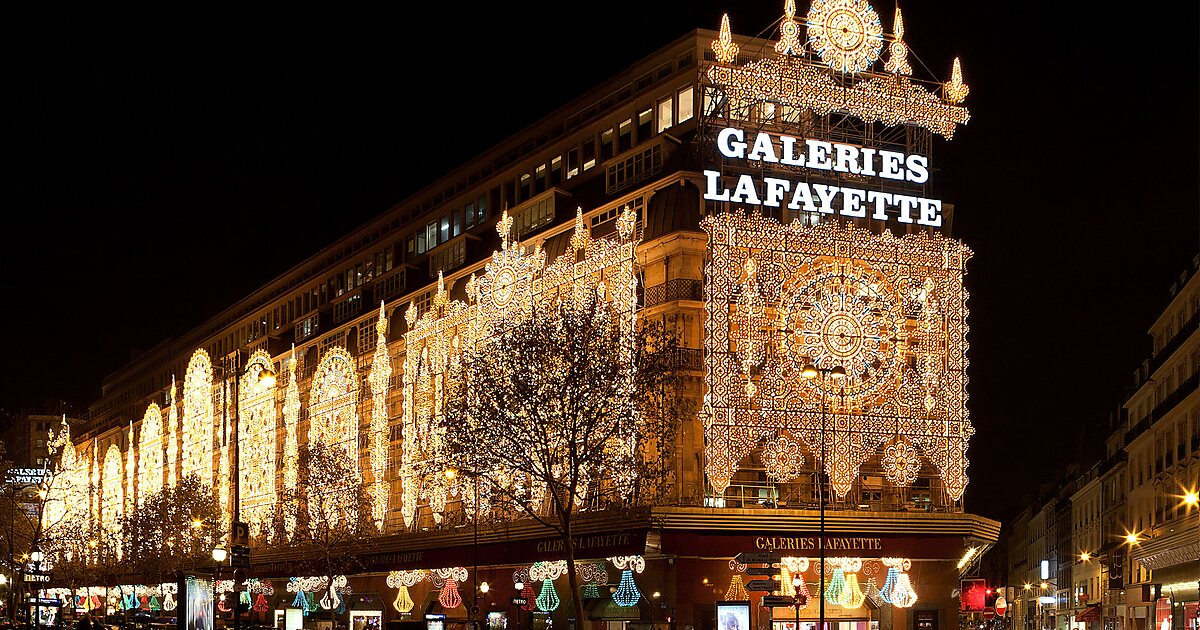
(451, 473)
(1191, 499)
(811, 371)
(218, 555)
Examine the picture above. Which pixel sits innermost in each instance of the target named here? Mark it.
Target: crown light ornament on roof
(897, 62)
(724, 48)
(956, 90)
(789, 32)
(848, 38)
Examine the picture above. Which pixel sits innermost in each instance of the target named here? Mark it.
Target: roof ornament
(955, 90)
(897, 62)
(724, 48)
(789, 32)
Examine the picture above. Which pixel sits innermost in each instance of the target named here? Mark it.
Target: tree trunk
(569, 547)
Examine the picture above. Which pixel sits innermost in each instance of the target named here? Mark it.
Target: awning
(1091, 613)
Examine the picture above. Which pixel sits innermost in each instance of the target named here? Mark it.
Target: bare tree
(332, 517)
(559, 412)
(172, 530)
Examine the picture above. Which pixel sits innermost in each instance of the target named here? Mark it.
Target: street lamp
(219, 553)
(809, 372)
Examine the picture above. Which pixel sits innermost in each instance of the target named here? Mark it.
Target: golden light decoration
(111, 498)
(900, 463)
(725, 50)
(171, 435)
(737, 589)
(224, 451)
(789, 32)
(130, 472)
(845, 33)
(68, 496)
(783, 459)
(150, 447)
(197, 433)
(291, 442)
(837, 295)
(401, 581)
(378, 378)
(257, 420)
(897, 62)
(333, 416)
(956, 91)
(516, 280)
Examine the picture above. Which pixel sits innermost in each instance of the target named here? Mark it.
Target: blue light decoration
(300, 601)
(837, 592)
(547, 600)
(889, 585)
(627, 594)
(129, 601)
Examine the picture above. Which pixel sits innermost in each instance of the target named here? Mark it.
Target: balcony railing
(672, 290)
(1173, 343)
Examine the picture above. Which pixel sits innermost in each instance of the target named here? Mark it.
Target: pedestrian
(85, 623)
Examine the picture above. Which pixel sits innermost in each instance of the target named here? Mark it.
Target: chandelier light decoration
(593, 574)
(197, 433)
(291, 443)
(546, 573)
(333, 421)
(902, 593)
(378, 378)
(737, 588)
(517, 280)
(521, 577)
(448, 580)
(848, 38)
(169, 590)
(890, 310)
(306, 588)
(150, 451)
(256, 441)
(792, 567)
(854, 596)
(261, 589)
(401, 581)
(627, 594)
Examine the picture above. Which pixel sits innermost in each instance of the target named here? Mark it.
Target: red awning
(1091, 613)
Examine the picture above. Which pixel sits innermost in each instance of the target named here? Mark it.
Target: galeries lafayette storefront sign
(725, 544)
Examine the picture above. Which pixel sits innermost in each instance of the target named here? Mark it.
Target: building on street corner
(771, 200)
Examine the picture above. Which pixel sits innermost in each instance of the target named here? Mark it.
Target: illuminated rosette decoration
(449, 579)
(546, 573)
(627, 594)
(401, 580)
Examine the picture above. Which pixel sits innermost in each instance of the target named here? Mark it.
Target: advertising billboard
(973, 595)
(733, 615)
(196, 603)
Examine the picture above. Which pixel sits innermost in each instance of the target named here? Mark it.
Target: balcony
(673, 290)
(1173, 344)
(1175, 397)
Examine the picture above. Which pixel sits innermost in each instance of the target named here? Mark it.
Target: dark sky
(158, 167)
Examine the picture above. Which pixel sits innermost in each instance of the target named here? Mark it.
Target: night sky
(157, 169)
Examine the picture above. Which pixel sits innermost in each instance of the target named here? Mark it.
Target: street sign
(762, 571)
(758, 557)
(762, 586)
(240, 534)
(519, 601)
(239, 556)
(38, 577)
(989, 613)
(777, 601)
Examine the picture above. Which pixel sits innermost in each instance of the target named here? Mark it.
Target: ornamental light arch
(112, 490)
(333, 412)
(257, 418)
(196, 456)
(150, 451)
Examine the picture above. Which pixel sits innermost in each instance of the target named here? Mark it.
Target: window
(666, 114)
(572, 163)
(634, 168)
(448, 257)
(686, 108)
(625, 135)
(347, 308)
(606, 144)
(645, 120)
(481, 208)
(589, 153)
(556, 170)
(445, 230)
(431, 236)
(539, 178)
(526, 188)
(470, 215)
(534, 216)
(456, 222)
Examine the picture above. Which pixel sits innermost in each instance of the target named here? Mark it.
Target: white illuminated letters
(823, 198)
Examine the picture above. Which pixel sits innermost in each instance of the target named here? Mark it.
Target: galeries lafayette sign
(767, 150)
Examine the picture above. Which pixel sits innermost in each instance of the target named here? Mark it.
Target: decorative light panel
(150, 473)
(197, 455)
(401, 581)
(379, 377)
(448, 580)
(627, 594)
(256, 443)
(517, 280)
(67, 498)
(848, 37)
(172, 437)
(291, 443)
(890, 310)
(111, 499)
(130, 474)
(333, 419)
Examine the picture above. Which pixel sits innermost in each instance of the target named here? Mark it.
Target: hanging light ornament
(401, 580)
(592, 573)
(795, 567)
(260, 603)
(547, 572)
(736, 590)
(627, 594)
(903, 595)
(854, 596)
(889, 583)
(449, 597)
(168, 601)
(835, 592)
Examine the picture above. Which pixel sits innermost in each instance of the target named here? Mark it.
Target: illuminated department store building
(773, 200)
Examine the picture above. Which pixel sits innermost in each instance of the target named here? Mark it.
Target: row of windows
(449, 226)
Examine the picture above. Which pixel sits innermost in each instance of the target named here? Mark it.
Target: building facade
(769, 200)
